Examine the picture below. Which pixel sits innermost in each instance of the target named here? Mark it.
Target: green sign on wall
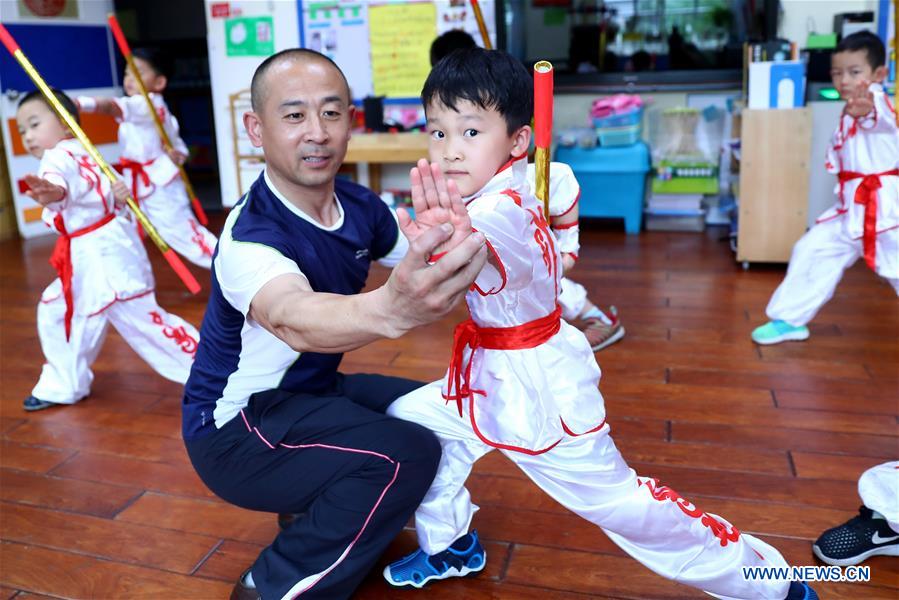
(250, 36)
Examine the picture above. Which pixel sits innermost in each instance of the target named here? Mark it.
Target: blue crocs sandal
(465, 558)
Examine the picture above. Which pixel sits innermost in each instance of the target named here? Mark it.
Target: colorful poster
(339, 30)
(457, 14)
(400, 37)
(249, 36)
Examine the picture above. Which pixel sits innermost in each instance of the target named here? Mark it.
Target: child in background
(104, 273)
(875, 531)
(155, 181)
(864, 155)
(601, 329)
(524, 381)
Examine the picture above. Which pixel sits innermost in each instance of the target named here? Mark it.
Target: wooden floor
(98, 500)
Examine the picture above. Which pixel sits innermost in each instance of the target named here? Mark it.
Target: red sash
(866, 194)
(61, 259)
(520, 337)
(138, 173)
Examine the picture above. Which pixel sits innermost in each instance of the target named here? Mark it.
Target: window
(621, 36)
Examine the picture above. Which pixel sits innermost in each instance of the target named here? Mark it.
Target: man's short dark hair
(158, 59)
(63, 99)
(257, 91)
(491, 79)
(454, 39)
(867, 41)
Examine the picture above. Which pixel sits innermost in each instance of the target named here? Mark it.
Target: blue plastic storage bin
(620, 136)
(612, 180)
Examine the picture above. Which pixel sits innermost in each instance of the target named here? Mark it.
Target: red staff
(543, 127)
(164, 136)
(73, 126)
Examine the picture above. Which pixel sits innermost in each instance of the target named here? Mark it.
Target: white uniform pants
(572, 299)
(588, 476)
(168, 208)
(879, 491)
(816, 267)
(165, 341)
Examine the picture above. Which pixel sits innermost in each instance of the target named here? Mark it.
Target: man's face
(303, 121)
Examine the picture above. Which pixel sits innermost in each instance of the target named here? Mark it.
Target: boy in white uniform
(864, 223)
(155, 181)
(524, 381)
(104, 273)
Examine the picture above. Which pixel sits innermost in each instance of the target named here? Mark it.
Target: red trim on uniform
(510, 162)
(866, 194)
(515, 196)
(117, 299)
(468, 334)
(61, 259)
(566, 225)
(138, 175)
(573, 255)
(499, 445)
(502, 273)
(199, 239)
(573, 434)
(570, 208)
(186, 342)
(840, 213)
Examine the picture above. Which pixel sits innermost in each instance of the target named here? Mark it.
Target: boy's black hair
(454, 39)
(63, 99)
(491, 79)
(867, 41)
(158, 59)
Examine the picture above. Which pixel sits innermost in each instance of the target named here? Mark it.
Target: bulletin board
(383, 46)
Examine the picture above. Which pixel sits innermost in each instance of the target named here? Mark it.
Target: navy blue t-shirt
(264, 237)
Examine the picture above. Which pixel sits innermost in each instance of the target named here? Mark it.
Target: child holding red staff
(523, 381)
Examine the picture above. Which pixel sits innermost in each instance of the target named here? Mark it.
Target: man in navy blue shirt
(268, 421)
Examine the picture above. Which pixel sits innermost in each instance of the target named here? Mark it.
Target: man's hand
(862, 103)
(418, 293)
(121, 193)
(436, 200)
(43, 191)
(177, 157)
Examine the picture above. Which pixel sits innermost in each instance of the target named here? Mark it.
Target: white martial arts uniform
(864, 222)
(879, 491)
(155, 180)
(564, 193)
(103, 264)
(524, 381)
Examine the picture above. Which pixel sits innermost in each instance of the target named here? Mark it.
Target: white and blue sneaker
(465, 558)
(775, 332)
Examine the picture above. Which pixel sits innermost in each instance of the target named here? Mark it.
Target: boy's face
(153, 81)
(39, 127)
(849, 70)
(471, 143)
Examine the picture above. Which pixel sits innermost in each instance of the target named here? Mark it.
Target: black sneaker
(31, 404)
(856, 540)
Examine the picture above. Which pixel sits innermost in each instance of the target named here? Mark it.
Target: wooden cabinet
(774, 180)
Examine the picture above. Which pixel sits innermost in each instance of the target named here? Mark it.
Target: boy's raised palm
(43, 191)
(436, 200)
(862, 103)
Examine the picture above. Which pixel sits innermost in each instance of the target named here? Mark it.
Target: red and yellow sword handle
(73, 126)
(543, 127)
(164, 136)
(482, 26)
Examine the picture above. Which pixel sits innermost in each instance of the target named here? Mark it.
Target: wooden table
(376, 149)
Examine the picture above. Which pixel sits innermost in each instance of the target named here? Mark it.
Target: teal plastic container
(612, 180)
